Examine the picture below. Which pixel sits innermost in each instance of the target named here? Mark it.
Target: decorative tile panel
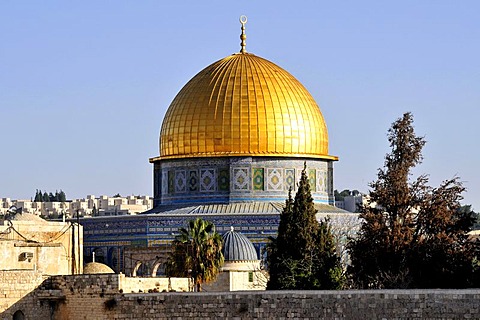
(258, 179)
(274, 179)
(212, 179)
(290, 179)
(330, 181)
(164, 182)
(193, 180)
(207, 180)
(171, 185)
(156, 179)
(223, 179)
(321, 181)
(180, 181)
(312, 179)
(240, 179)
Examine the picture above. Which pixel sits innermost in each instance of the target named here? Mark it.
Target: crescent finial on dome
(243, 36)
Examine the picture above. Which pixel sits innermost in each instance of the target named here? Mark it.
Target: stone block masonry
(372, 304)
(15, 284)
(72, 296)
(98, 297)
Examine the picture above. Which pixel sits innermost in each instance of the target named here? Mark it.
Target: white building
(351, 203)
(89, 206)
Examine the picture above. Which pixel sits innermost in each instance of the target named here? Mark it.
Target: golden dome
(243, 105)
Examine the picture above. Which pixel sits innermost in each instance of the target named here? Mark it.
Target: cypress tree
(61, 196)
(38, 196)
(303, 255)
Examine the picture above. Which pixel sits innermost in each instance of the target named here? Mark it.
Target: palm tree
(196, 253)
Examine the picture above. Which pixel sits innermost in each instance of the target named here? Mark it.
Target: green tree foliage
(196, 253)
(303, 255)
(50, 197)
(38, 196)
(61, 196)
(467, 209)
(412, 235)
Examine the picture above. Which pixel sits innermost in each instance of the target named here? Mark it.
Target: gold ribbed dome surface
(243, 105)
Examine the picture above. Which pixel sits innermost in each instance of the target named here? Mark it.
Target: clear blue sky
(84, 85)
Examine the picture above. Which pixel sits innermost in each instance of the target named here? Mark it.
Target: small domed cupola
(236, 247)
(97, 268)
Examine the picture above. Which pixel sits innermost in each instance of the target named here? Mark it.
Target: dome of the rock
(234, 143)
(241, 130)
(243, 105)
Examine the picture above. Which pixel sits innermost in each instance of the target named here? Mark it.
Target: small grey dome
(236, 247)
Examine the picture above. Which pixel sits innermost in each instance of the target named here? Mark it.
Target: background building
(28, 242)
(351, 203)
(89, 206)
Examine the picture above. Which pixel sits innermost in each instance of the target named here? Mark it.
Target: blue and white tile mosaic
(241, 179)
(164, 182)
(208, 180)
(180, 181)
(274, 179)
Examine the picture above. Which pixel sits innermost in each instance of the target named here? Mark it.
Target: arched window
(136, 269)
(18, 315)
(158, 268)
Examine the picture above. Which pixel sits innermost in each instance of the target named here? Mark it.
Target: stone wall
(387, 304)
(17, 284)
(19, 292)
(97, 297)
(130, 285)
(71, 297)
(233, 280)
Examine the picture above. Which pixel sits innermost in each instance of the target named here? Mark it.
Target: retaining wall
(16, 285)
(383, 304)
(98, 297)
